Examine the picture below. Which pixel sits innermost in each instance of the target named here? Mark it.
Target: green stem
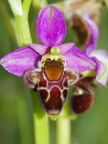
(41, 122)
(23, 30)
(26, 6)
(64, 127)
(22, 24)
(20, 11)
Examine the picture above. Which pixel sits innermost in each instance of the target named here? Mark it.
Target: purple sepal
(51, 27)
(78, 60)
(94, 32)
(21, 60)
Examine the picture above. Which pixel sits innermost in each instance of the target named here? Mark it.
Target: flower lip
(51, 27)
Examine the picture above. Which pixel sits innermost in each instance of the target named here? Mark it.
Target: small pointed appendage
(72, 75)
(32, 78)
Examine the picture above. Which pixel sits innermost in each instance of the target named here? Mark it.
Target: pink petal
(20, 60)
(65, 47)
(51, 27)
(42, 50)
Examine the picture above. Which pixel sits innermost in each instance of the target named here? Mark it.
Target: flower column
(20, 11)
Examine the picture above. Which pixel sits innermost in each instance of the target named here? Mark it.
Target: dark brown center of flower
(82, 97)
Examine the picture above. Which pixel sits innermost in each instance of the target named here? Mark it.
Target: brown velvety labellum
(81, 103)
(52, 103)
(53, 97)
(65, 92)
(82, 97)
(51, 83)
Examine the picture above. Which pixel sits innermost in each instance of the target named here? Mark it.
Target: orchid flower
(82, 97)
(76, 12)
(50, 68)
(90, 48)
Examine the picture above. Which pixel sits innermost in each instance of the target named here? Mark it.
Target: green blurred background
(16, 122)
